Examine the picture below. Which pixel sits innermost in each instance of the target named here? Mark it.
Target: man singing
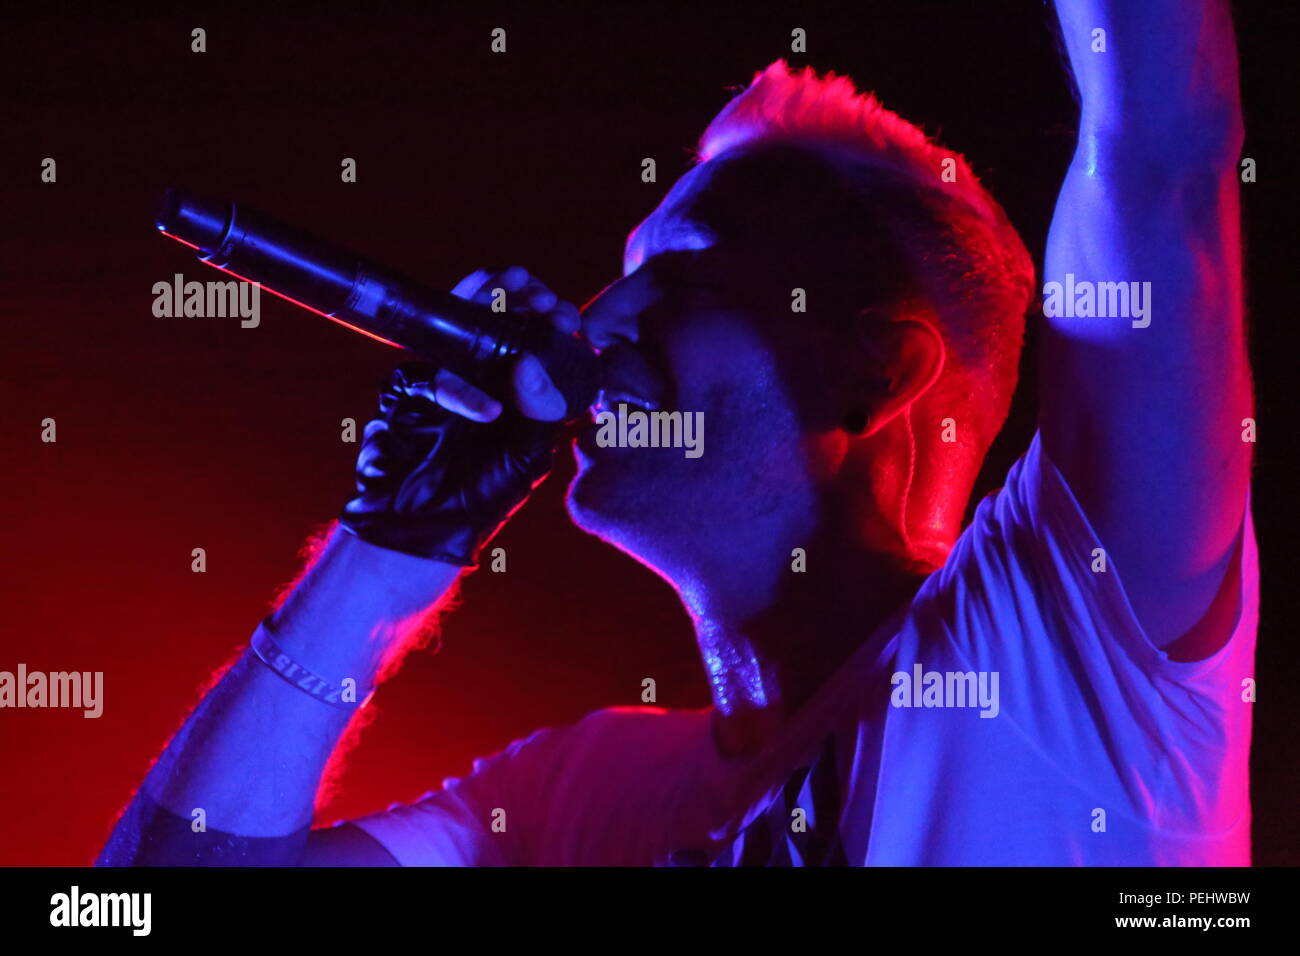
(1059, 683)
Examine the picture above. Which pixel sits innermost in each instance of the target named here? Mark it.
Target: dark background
(181, 433)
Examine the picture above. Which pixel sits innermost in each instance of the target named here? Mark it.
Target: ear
(904, 356)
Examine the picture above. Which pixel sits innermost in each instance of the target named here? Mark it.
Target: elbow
(1190, 152)
(150, 835)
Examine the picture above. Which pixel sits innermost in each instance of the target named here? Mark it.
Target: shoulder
(601, 734)
(643, 726)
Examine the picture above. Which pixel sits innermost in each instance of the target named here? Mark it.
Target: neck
(763, 666)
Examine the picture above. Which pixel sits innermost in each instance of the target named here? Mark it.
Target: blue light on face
(667, 229)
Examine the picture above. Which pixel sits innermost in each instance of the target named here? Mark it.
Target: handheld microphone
(466, 337)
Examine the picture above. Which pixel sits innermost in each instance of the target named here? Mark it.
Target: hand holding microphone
(535, 395)
(444, 463)
(441, 466)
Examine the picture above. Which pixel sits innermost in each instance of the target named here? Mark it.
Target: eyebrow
(688, 268)
(695, 271)
(671, 278)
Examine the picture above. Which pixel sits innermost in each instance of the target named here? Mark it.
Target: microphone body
(466, 337)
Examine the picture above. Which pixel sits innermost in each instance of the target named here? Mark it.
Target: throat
(761, 674)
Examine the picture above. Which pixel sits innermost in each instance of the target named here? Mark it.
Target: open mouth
(609, 399)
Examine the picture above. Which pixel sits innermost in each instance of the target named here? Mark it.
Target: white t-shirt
(1097, 748)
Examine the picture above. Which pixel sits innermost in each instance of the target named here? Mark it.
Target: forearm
(1143, 358)
(252, 754)
(1166, 80)
(1152, 196)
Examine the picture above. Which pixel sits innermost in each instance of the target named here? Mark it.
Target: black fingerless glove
(436, 485)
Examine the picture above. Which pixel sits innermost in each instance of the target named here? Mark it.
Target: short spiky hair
(798, 159)
(781, 105)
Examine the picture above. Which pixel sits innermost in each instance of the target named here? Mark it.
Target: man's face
(682, 331)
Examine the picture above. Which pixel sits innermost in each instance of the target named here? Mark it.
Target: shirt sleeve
(488, 818)
(1068, 553)
(1025, 599)
(617, 787)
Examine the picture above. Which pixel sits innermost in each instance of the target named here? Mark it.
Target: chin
(594, 500)
(610, 500)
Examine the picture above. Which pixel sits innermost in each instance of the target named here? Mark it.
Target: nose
(605, 323)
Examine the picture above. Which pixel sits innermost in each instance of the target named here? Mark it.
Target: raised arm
(1142, 411)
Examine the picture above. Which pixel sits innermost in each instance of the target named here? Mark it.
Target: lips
(609, 399)
(629, 379)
